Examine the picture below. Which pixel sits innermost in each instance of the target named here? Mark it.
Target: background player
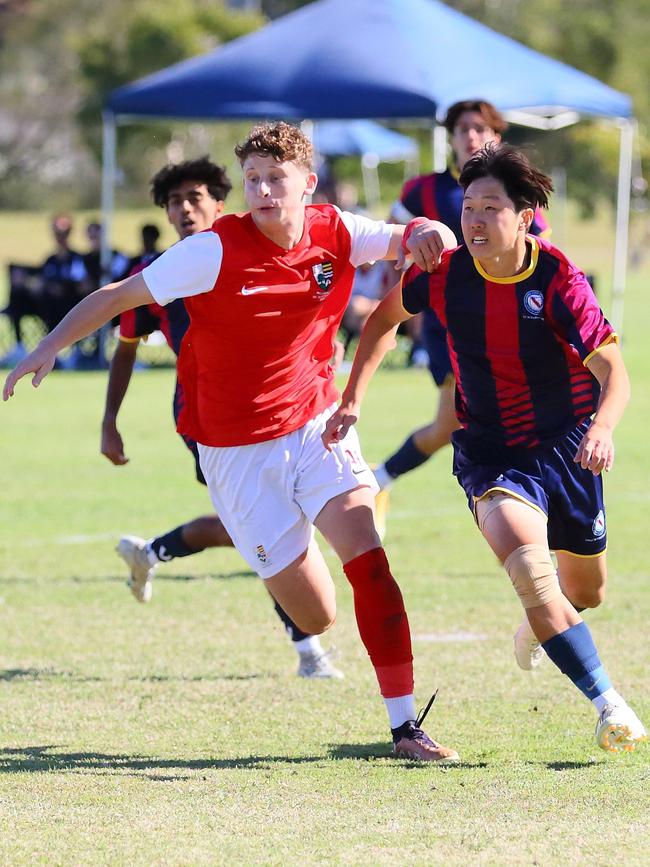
(438, 196)
(265, 292)
(533, 358)
(193, 195)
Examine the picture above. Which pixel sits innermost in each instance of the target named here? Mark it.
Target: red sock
(382, 621)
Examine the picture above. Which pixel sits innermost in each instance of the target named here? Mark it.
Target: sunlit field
(178, 732)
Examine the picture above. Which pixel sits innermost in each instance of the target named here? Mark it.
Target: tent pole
(439, 141)
(370, 174)
(627, 128)
(108, 203)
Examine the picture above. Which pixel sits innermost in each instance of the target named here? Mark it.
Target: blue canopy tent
(336, 138)
(336, 59)
(371, 141)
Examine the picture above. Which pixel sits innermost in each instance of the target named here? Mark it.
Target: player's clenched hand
(596, 450)
(112, 445)
(39, 362)
(425, 241)
(338, 424)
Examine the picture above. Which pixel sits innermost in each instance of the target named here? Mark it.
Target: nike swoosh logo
(253, 290)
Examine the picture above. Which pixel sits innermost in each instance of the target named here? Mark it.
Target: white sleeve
(370, 238)
(190, 267)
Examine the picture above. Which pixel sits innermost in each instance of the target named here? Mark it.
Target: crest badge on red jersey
(323, 275)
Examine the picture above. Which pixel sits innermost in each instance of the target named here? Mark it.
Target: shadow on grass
(42, 674)
(40, 759)
(219, 576)
(197, 678)
(46, 674)
(382, 750)
(121, 579)
(572, 766)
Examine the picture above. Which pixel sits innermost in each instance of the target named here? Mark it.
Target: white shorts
(269, 494)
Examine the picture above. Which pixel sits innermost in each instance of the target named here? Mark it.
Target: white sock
(310, 645)
(384, 478)
(400, 709)
(152, 557)
(610, 696)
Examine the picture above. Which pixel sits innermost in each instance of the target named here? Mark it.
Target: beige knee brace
(533, 575)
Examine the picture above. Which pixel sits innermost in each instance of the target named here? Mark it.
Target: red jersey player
(265, 292)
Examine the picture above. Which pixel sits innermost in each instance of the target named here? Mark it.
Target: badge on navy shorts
(323, 275)
(598, 526)
(534, 303)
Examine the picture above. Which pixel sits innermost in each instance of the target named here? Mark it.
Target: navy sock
(172, 545)
(294, 633)
(575, 654)
(406, 458)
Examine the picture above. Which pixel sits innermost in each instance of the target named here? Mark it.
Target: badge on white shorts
(261, 553)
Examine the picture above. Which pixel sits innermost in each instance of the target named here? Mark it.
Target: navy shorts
(545, 477)
(434, 339)
(179, 401)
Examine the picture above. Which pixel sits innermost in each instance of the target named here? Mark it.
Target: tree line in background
(59, 60)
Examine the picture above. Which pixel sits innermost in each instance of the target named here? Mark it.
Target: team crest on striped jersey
(323, 275)
(534, 302)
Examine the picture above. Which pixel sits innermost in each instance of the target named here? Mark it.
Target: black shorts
(179, 401)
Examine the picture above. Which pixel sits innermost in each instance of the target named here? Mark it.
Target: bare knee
(588, 597)
(315, 623)
(583, 582)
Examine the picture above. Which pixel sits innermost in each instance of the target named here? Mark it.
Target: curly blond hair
(282, 141)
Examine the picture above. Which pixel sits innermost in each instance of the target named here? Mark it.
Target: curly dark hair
(527, 186)
(282, 141)
(201, 170)
(490, 114)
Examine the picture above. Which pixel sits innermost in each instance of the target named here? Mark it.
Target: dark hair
(524, 184)
(202, 170)
(150, 233)
(282, 141)
(491, 115)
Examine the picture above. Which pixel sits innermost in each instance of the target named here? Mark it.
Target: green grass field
(178, 733)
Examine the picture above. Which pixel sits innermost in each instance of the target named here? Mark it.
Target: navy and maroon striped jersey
(172, 320)
(439, 196)
(517, 344)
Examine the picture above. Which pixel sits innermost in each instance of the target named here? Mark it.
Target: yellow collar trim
(516, 278)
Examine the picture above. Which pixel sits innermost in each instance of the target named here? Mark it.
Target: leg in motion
(142, 556)
(517, 534)
(347, 524)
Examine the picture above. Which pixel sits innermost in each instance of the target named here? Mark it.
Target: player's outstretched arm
(90, 314)
(424, 240)
(119, 377)
(596, 450)
(377, 338)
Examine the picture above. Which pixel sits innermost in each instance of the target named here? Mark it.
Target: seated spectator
(371, 282)
(64, 275)
(25, 290)
(49, 291)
